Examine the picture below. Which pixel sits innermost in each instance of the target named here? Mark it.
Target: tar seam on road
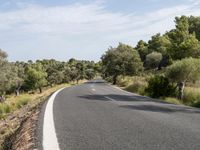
(115, 101)
(109, 98)
(50, 141)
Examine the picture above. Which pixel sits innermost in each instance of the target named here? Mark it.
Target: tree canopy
(123, 60)
(25, 76)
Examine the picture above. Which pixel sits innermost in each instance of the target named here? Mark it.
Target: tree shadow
(95, 82)
(152, 105)
(162, 109)
(121, 97)
(94, 97)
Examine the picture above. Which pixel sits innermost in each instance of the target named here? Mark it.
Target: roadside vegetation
(29, 78)
(26, 85)
(26, 77)
(14, 103)
(166, 67)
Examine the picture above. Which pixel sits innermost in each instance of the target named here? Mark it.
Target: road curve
(97, 116)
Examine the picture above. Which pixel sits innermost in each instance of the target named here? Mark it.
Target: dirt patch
(24, 139)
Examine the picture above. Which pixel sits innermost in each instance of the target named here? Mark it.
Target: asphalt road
(97, 116)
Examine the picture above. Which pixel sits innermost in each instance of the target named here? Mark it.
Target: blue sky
(83, 29)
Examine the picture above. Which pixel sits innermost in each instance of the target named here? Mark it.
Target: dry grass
(14, 103)
(172, 100)
(135, 84)
(192, 96)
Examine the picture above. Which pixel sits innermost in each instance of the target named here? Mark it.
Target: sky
(83, 29)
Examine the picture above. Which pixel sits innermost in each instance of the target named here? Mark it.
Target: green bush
(159, 86)
(196, 104)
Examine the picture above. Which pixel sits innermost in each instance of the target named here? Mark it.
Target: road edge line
(50, 141)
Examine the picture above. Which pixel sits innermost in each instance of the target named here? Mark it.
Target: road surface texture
(97, 116)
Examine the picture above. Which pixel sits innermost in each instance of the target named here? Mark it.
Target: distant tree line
(177, 52)
(26, 76)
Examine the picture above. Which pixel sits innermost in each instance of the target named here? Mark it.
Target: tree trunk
(17, 92)
(2, 98)
(40, 90)
(114, 79)
(181, 86)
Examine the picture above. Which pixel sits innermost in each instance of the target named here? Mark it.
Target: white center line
(50, 141)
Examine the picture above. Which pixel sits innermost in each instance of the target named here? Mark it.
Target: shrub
(159, 86)
(21, 102)
(196, 104)
(192, 96)
(124, 81)
(4, 109)
(137, 87)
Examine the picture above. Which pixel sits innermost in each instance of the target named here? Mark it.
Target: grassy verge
(172, 100)
(15, 110)
(134, 84)
(14, 103)
(192, 96)
(137, 84)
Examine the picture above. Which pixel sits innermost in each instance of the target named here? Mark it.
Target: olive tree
(123, 60)
(4, 74)
(182, 71)
(35, 77)
(153, 60)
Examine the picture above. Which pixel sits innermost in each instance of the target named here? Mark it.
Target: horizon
(83, 30)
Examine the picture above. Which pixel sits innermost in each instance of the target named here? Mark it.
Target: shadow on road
(95, 82)
(94, 97)
(142, 103)
(118, 97)
(162, 109)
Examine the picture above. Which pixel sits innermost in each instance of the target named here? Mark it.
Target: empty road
(97, 116)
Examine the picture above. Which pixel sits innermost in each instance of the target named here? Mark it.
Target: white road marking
(93, 90)
(50, 141)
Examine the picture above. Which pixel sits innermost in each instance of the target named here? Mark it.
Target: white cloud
(87, 28)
